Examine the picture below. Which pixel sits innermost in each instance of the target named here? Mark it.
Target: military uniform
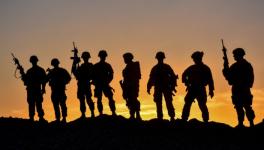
(196, 78)
(132, 75)
(58, 78)
(35, 79)
(241, 76)
(83, 75)
(103, 75)
(163, 78)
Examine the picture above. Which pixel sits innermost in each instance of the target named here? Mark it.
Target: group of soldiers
(162, 77)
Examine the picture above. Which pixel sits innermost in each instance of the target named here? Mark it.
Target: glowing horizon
(143, 27)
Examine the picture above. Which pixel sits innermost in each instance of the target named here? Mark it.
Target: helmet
(55, 62)
(239, 52)
(128, 56)
(102, 53)
(33, 59)
(160, 55)
(86, 55)
(197, 55)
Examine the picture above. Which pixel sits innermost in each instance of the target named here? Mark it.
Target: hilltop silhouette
(108, 132)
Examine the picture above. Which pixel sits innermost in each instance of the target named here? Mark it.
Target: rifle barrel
(223, 42)
(74, 45)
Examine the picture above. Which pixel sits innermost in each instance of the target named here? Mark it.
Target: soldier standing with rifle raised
(83, 75)
(130, 85)
(35, 81)
(58, 78)
(240, 76)
(163, 78)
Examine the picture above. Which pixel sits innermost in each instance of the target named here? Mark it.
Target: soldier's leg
(98, 94)
(250, 114)
(247, 105)
(237, 101)
(189, 98)
(240, 114)
(31, 106)
(131, 107)
(202, 99)
(109, 94)
(81, 98)
(90, 104)
(137, 109)
(168, 100)
(158, 101)
(40, 110)
(55, 101)
(63, 107)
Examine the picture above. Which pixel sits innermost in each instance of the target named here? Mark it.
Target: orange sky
(47, 29)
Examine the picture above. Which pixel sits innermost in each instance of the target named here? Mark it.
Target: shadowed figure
(196, 78)
(58, 78)
(83, 75)
(102, 76)
(241, 77)
(130, 85)
(163, 78)
(35, 81)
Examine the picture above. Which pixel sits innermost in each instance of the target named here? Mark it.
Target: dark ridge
(107, 132)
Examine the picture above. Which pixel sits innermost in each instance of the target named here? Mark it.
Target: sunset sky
(46, 28)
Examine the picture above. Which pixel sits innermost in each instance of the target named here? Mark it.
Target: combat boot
(92, 114)
(63, 121)
(138, 117)
(251, 122)
(42, 120)
(114, 113)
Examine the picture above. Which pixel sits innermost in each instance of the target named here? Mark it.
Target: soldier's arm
(139, 72)
(111, 73)
(75, 70)
(67, 76)
(174, 78)
(150, 81)
(44, 81)
(251, 76)
(211, 81)
(227, 72)
(184, 76)
(24, 78)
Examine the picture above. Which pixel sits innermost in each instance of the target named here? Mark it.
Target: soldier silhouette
(83, 75)
(103, 75)
(241, 77)
(58, 78)
(130, 85)
(35, 81)
(196, 78)
(163, 78)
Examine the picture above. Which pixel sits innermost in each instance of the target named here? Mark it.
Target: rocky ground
(118, 133)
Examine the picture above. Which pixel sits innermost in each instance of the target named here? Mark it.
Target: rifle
(75, 58)
(226, 63)
(19, 67)
(124, 92)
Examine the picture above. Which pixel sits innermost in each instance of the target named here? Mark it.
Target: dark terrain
(118, 133)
